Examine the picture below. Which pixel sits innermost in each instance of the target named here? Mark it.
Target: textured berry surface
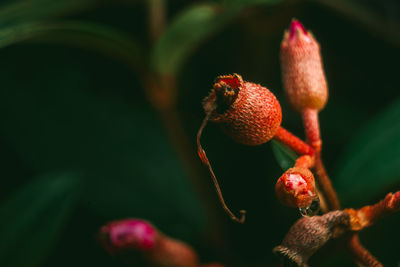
(296, 188)
(302, 71)
(254, 115)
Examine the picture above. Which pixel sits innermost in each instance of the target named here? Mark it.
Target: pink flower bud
(296, 188)
(138, 242)
(130, 234)
(303, 75)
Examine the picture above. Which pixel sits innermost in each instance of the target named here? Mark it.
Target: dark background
(81, 144)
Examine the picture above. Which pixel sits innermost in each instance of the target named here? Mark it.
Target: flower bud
(296, 188)
(130, 234)
(137, 242)
(247, 112)
(303, 74)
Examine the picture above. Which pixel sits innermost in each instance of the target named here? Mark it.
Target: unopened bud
(139, 242)
(130, 234)
(303, 74)
(296, 188)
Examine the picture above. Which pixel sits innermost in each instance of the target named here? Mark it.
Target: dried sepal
(309, 234)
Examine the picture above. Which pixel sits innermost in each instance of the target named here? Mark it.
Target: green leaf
(29, 10)
(91, 35)
(129, 164)
(31, 219)
(188, 30)
(284, 155)
(371, 164)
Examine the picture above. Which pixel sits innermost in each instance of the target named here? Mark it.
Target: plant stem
(325, 184)
(313, 135)
(361, 254)
(287, 138)
(368, 215)
(311, 126)
(156, 24)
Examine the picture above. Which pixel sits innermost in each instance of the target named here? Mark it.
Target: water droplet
(311, 210)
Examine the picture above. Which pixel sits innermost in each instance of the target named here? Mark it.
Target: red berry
(247, 112)
(296, 188)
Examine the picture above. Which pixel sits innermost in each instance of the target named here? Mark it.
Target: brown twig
(325, 184)
(361, 254)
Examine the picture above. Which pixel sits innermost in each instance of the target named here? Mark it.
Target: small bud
(130, 234)
(302, 71)
(296, 188)
(247, 112)
(137, 242)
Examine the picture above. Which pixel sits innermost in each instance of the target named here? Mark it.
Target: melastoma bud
(296, 188)
(139, 243)
(248, 112)
(303, 74)
(130, 234)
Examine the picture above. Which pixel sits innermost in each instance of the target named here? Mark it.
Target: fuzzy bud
(137, 242)
(130, 234)
(302, 71)
(247, 112)
(296, 188)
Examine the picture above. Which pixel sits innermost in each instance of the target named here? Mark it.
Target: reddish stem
(305, 161)
(287, 138)
(311, 126)
(361, 254)
(325, 184)
(368, 215)
(313, 135)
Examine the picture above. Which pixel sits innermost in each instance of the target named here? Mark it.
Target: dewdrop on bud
(296, 188)
(302, 71)
(247, 112)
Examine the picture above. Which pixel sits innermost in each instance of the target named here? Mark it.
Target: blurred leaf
(367, 14)
(248, 3)
(371, 164)
(31, 219)
(55, 122)
(190, 28)
(92, 35)
(185, 33)
(283, 155)
(28, 10)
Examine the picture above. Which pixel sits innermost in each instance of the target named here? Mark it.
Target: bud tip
(295, 29)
